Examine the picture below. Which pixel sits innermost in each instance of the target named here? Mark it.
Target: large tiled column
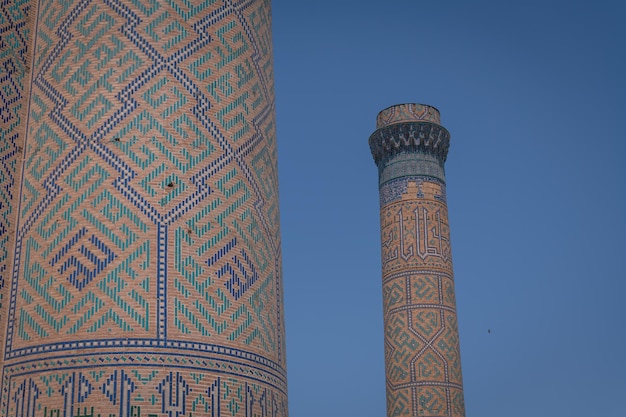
(141, 271)
(422, 358)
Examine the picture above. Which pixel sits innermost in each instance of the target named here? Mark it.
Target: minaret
(422, 358)
(140, 260)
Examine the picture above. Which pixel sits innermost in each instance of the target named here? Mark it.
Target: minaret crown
(409, 112)
(408, 129)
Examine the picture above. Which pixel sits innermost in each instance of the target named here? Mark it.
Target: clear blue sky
(534, 95)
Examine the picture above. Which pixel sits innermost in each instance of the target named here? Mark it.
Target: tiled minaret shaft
(140, 253)
(422, 358)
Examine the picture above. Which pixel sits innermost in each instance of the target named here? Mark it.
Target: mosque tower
(140, 260)
(422, 357)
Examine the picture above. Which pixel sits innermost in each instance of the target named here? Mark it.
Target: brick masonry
(422, 357)
(141, 270)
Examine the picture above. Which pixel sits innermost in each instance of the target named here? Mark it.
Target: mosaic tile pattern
(15, 33)
(409, 112)
(422, 356)
(146, 272)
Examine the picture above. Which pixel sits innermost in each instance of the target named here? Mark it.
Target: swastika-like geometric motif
(422, 358)
(140, 262)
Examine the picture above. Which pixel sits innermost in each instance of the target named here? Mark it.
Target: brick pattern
(422, 357)
(146, 274)
(409, 112)
(15, 50)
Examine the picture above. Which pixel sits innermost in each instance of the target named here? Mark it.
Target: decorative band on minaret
(422, 356)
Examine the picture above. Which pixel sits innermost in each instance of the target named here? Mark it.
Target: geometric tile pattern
(15, 32)
(422, 357)
(145, 274)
